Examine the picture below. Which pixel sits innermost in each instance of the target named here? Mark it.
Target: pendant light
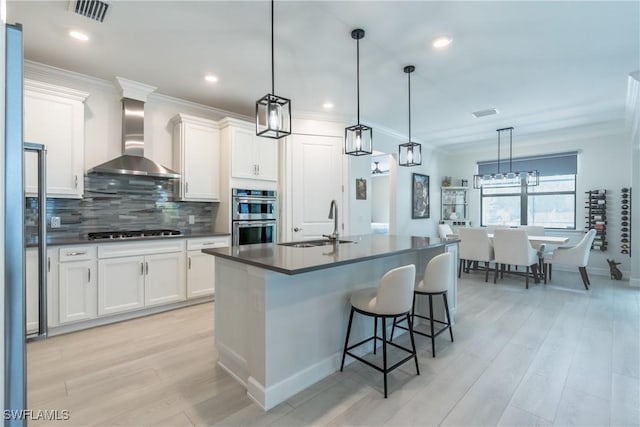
(508, 179)
(409, 153)
(273, 112)
(358, 138)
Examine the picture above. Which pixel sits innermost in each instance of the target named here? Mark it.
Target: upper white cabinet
(252, 157)
(54, 116)
(196, 143)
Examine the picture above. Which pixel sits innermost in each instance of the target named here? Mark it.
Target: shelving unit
(625, 221)
(596, 205)
(454, 206)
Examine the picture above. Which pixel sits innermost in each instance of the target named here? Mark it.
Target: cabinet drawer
(77, 253)
(115, 250)
(208, 242)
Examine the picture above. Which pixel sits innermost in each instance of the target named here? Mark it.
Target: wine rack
(625, 221)
(596, 206)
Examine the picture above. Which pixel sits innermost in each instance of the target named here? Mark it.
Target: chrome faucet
(333, 213)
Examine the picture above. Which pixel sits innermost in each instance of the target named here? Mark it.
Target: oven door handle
(254, 223)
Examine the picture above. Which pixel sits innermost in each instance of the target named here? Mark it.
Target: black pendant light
(273, 113)
(409, 153)
(358, 138)
(507, 179)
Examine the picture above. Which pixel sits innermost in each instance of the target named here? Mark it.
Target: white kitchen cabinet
(120, 284)
(32, 296)
(201, 266)
(78, 283)
(252, 157)
(196, 143)
(54, 116)
(138, 274)
(164, 280)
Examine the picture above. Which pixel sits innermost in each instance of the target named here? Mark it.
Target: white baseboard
(635, 282)
(233, 363)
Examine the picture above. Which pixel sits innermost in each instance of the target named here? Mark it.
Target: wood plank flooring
(550, 355)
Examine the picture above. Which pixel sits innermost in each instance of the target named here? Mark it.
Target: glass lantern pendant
(273, 112)
(358, 139)
(409, 153)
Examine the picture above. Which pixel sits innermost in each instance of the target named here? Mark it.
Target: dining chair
(512, 247)
(577, 255)
(536, 230)
(445, 231)
(474, 246)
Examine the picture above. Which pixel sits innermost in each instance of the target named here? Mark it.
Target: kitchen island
(281, 311)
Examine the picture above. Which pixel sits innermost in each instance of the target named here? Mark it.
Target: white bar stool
(436, 281)
(392, 299)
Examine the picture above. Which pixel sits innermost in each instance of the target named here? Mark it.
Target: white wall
(603, 163)
(380, 198)
(633, 124)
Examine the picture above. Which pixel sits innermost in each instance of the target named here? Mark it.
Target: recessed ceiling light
(327, 105)
(79, 35)
(211, 78)
(442, 42)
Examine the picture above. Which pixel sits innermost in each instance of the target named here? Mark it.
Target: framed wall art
(420, 196)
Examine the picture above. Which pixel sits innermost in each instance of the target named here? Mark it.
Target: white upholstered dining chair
(475, 246)
(512, 247)
(445, 231)
(577, 255)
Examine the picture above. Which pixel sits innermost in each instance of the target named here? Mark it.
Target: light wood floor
(553, 354)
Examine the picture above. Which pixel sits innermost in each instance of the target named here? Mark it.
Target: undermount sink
(312, 243)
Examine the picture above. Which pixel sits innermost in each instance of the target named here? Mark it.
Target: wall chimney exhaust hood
(132, 161)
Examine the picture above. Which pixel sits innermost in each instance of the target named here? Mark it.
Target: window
(551, 204)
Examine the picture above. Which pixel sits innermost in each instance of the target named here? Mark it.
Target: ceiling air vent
(484, 113)
(92, 9)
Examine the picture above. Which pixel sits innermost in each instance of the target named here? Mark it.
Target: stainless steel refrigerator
(15, 398)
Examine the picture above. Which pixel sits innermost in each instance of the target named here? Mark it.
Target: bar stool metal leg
(346, 340)
(384, 354)
(446, 308)
(413, 341)
(433, 338)
(375, 333)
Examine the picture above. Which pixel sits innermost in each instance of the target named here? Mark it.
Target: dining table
(547, 240)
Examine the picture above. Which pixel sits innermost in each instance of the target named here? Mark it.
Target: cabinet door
(243, 156)
(31, 278)
(201, 163)
(78, 291)
(120, 284)
(201, 269)
(266, 152)
(57, 121)
(164, 278)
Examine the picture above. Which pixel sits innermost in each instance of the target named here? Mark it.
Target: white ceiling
(542, 64)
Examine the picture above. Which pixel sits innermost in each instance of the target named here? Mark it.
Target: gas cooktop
(131, 234)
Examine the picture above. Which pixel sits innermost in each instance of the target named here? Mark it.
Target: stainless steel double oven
(254, 216)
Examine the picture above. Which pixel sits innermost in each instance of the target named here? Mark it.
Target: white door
(201, 163)
(78, 296)
(243, 163)
(164, 278)
(266, 153)
(120, 284)
(317, 179)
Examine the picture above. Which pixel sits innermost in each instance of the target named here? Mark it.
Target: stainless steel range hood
(132, 161)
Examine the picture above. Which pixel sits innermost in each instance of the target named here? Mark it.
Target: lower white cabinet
(120, 284)
(138, 274)
(201, 267)
(77, 284)
(164, 280)
(32, 296)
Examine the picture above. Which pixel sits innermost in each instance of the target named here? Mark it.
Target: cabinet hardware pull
(88, 275)
(76, 181)
(189, 263)
(142, 269)
(75, 253)
(297, 229)
(49, 264)
(146, 267)
(258, 166)
(186, 187)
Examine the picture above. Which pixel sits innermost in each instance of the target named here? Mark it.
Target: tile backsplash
(121, 202)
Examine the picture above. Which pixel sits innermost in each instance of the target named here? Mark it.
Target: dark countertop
(292, 260)
(83, 240)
